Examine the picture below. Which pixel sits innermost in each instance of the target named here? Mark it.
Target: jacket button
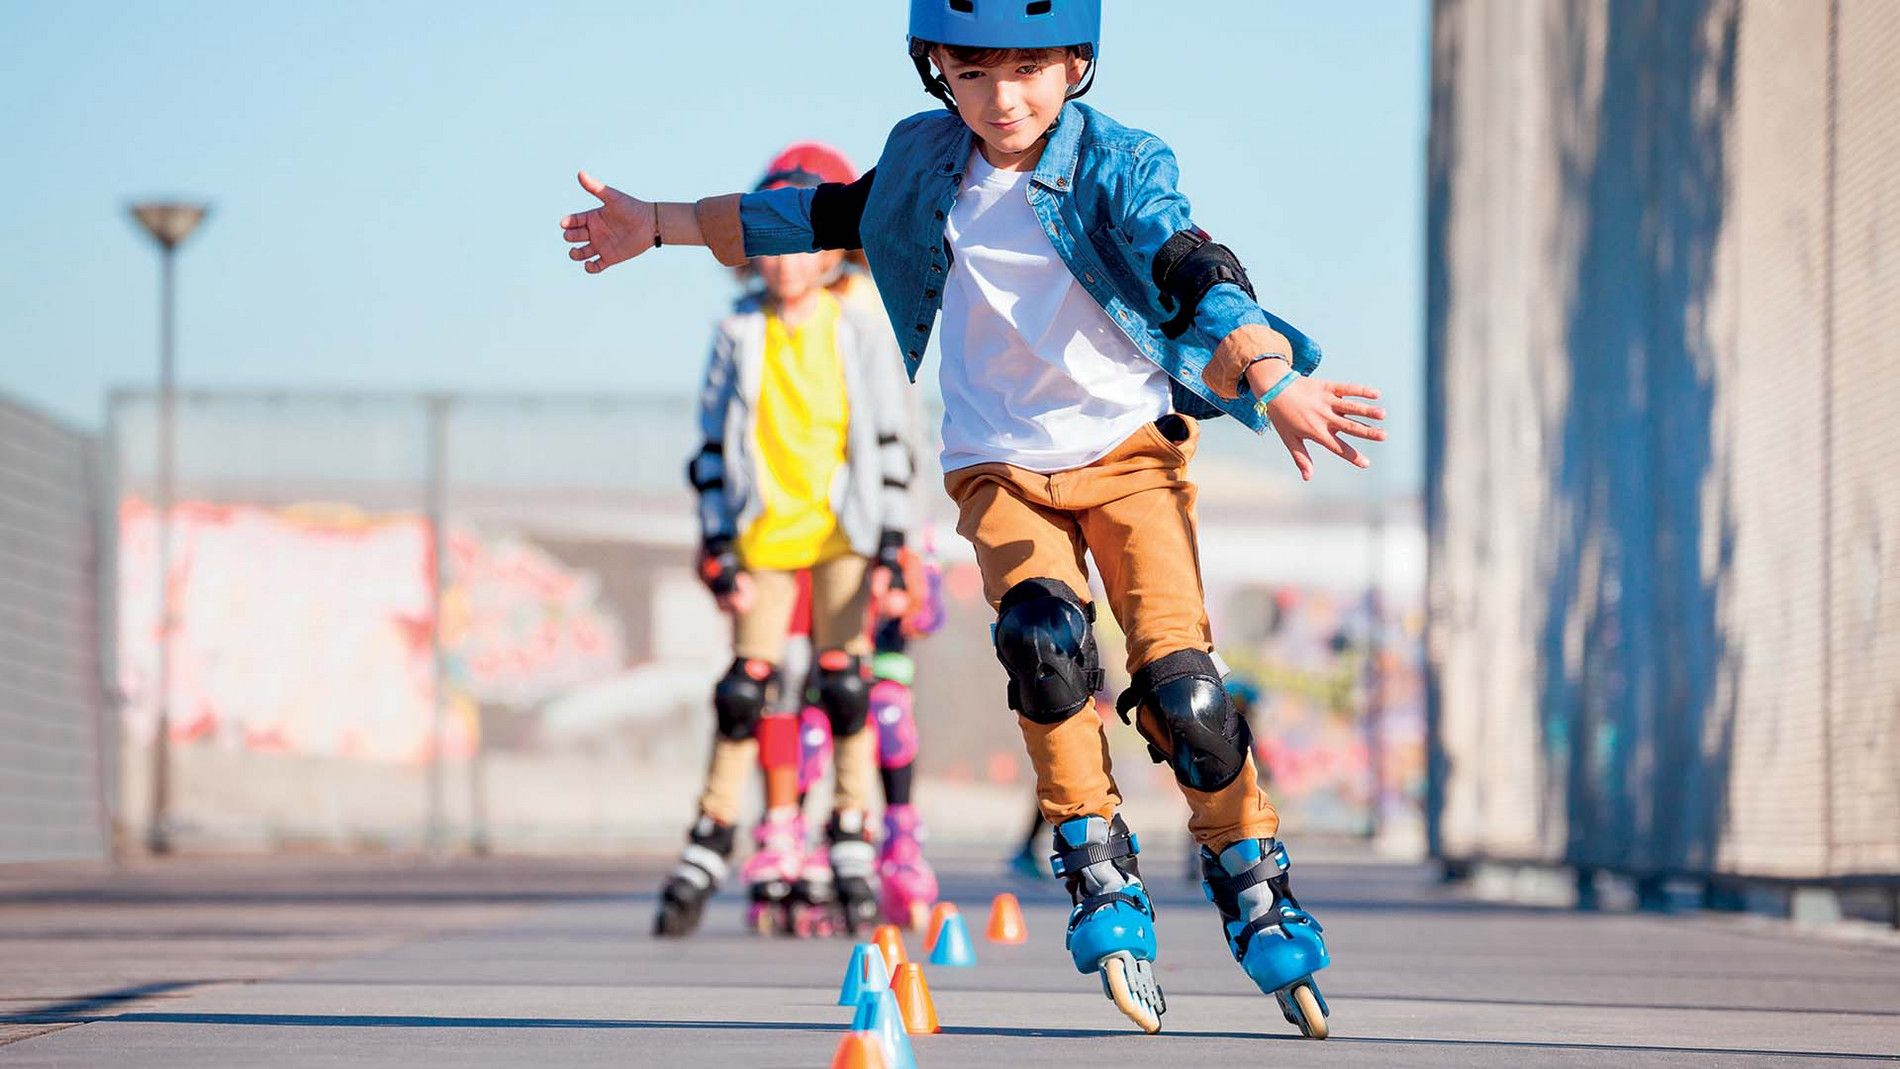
(913, 354)
(937, 268)
(921, 327)
(930, 293)
(1088, 278)
(939, 215)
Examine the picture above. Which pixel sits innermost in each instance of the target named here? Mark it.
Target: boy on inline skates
(805, 466)
(1087, 325)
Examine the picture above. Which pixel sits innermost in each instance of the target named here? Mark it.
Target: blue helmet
(1002, 24)
(1008, 23)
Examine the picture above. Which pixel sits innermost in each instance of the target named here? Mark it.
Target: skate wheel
(1312, 1019)
(1115, 975)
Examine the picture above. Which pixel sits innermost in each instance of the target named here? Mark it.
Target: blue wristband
(1285, 381)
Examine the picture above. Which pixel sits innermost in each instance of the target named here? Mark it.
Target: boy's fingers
(1359, 430)
(1345, 450)
(575, 233)
(592, 185)
(1335, 445)
(1353, 389)
(1301, 459)
(1354, 408)
(584, 252)
(595, 267)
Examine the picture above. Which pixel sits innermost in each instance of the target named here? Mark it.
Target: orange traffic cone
(859, 1050)
(890, 943)
(1006, 920)
(913, 1000)
(937, 914)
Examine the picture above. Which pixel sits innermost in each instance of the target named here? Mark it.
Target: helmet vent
(963, 7)
(1038, 7)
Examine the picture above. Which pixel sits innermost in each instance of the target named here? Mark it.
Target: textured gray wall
(51, 761)
(1663, 377)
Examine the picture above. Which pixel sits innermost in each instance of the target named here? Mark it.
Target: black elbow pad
(1189, 264)
(836, 209)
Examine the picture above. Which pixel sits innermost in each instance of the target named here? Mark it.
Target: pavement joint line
(283, 1020)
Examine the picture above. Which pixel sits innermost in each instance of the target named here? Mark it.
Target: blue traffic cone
(879, 1015)
(866, 973)
(953, 945)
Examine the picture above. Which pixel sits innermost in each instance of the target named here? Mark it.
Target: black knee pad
(1046, 645)
(741, 695)
(843, 691)
(1204, 739)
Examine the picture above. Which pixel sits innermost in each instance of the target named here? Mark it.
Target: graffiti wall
(1339, 717)
(309, 631)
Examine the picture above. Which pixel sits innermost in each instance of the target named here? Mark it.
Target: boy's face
(787, 278)
(1012, 104)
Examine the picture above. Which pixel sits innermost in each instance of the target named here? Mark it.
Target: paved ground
(522, 962)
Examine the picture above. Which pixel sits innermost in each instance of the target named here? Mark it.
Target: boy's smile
(1010, 105)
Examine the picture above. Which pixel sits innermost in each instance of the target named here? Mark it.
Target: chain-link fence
(1662, 299)
(473, 620)
(54, 731)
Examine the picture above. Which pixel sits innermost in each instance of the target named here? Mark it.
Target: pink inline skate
(772, 872)
(815, 897)
(907, 886)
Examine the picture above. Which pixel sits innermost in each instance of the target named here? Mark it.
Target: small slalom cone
(1006, 920)
(890, 943)
(859, 1050)
(937, 914)
(878, 1014)
(953, 943)
(913, 1000)
(866, 973)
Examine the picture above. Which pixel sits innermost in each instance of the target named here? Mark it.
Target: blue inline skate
(1273, 939)
(1111, 929)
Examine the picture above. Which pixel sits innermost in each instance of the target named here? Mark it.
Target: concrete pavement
(318, 962)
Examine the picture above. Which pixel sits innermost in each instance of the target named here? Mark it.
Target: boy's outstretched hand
(1315, 410)
(620, 229)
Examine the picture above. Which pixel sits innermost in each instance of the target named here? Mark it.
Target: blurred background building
(1663, 302)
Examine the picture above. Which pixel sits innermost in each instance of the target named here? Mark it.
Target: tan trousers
(1133, 510)
(839, 599)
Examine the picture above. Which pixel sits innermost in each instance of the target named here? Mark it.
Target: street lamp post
(169, 224)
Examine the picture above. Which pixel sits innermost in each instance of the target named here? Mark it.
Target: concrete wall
(1665, 548)
(51, 792)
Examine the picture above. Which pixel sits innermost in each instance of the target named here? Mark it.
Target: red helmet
(805, 164)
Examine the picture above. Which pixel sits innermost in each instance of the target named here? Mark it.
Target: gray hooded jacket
(870, 494)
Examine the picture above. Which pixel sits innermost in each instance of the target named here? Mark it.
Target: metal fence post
(437, 504)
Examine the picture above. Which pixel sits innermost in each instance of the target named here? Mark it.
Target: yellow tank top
(799, 440)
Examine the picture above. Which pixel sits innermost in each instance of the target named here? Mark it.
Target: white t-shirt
(1034, 373)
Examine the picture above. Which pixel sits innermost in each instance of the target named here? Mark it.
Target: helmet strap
(1086, 52)
(934, 83)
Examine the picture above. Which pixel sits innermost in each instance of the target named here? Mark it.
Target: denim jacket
(1106, 197)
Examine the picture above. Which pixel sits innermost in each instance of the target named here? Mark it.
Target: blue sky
(386, 178)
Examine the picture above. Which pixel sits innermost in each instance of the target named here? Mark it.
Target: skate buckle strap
(1275, 921)
(1089, 905)
(1075, 859)
(1227, 888)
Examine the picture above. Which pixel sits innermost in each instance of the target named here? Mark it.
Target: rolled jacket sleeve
(777, 222)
